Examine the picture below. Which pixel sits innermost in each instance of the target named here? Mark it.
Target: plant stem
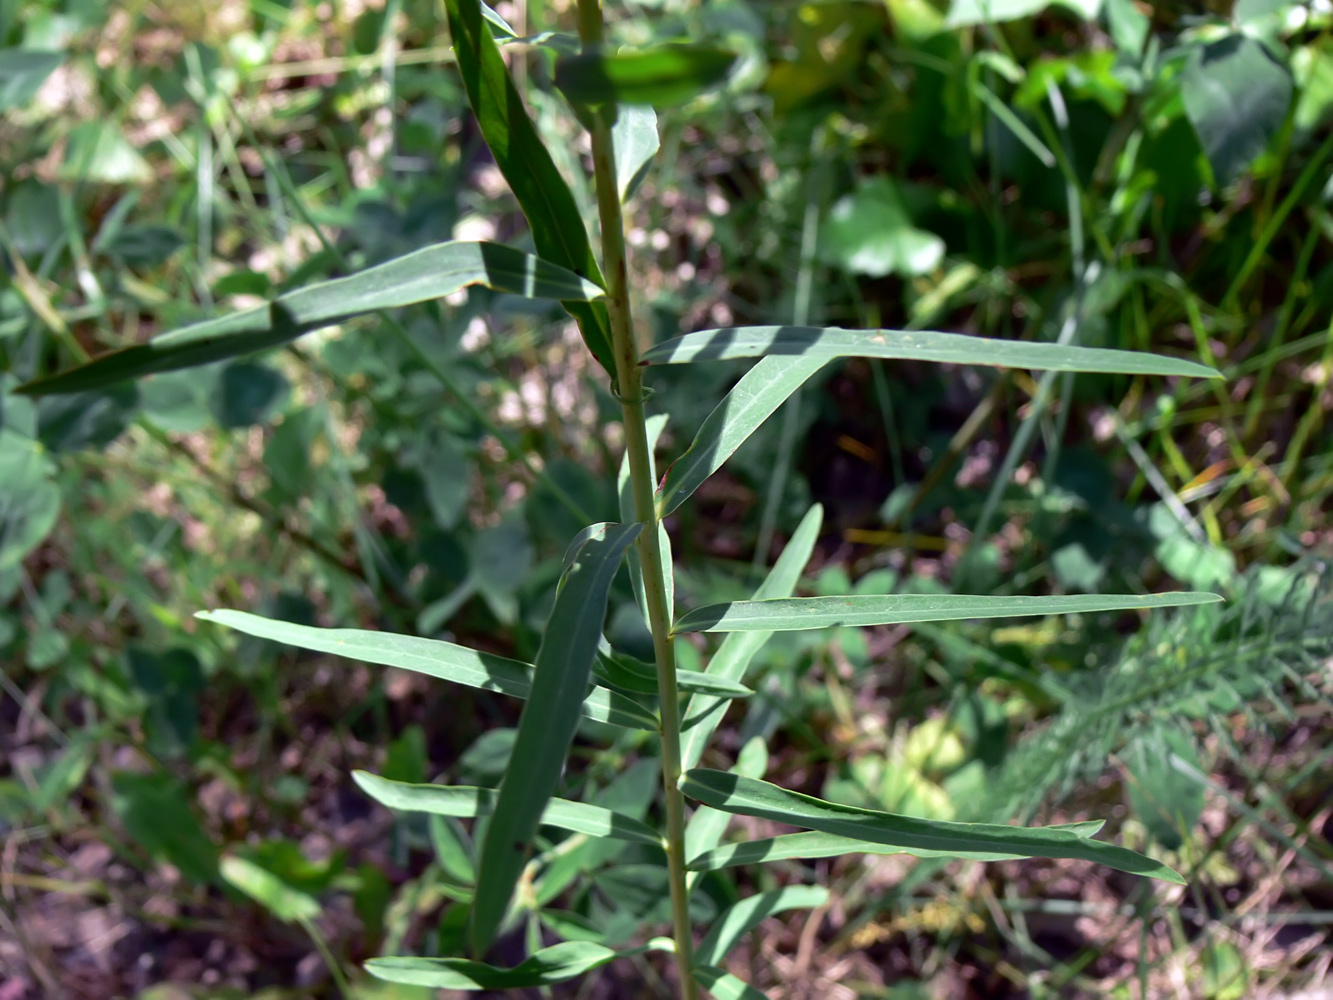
(629, 388)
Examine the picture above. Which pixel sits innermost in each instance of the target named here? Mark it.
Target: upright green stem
(629, 387)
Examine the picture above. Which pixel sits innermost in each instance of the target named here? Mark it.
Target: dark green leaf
(748, 797)
(795, 613)
(552, 213)
(662, 75)
(155, 811)
(546, 727)
(463, 802)
(750, 402)
(625, 672)
(921, 345)
(828, 845)
(1236, 96)
(22, 73)
(429, 273)
(706, 827)
(432, 657)
(247, 393)
(86, 419)
(550, 965)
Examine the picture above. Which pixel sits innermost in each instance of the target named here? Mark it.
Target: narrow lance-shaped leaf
(706, 827)
(749, 403)
(636, 142)
(628, 674)
(662, 75)
(655, 425)
(919, 345)
(828, 845)
(796, 613)
(429, 273)
(725, 986)
(466, 802)
(284, 901)
(432, 657)
(749, 797)
(703, 714)
(744, 916)
(550, 717)
(551, 210)
(550, 965)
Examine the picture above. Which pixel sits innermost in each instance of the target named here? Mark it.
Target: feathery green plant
(516, 875)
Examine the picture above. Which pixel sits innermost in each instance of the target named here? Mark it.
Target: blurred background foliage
(173, 802)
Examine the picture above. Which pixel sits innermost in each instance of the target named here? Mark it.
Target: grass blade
(429, 273)
(750, 402)
(432, 657)
(828, 845)
(661, 74)
(464, 802)
(559, 683)
(703, 714)
(796, 613)
(748, 797)
(919, 345)
(551, 210)
(744, 916)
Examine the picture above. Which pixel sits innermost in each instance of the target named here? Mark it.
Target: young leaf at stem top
(545, 198)
(546, 727)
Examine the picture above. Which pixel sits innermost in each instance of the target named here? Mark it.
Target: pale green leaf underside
(796, 613)
(827, 845)
(749, 797)
(921, 345)
(636, 142)
(725, 986)
(432, 657)
(466, 802)
(549, 720)
(284, 901)
(750, 402)
(702, 714)
(429, 273)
